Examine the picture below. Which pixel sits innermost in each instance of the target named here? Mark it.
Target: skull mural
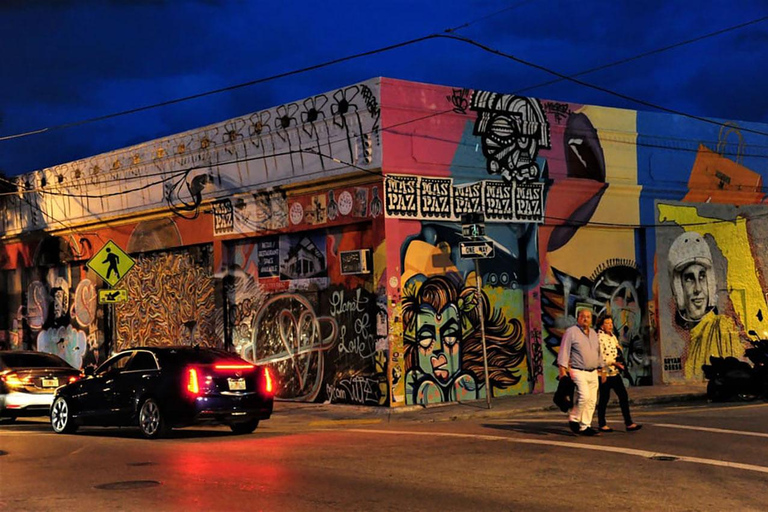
(513, 128)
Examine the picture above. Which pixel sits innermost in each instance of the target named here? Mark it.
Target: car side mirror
(88, 371)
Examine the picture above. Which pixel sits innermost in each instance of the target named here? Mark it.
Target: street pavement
(320, 415)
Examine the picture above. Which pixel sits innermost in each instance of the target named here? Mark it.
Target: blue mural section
(679, 157)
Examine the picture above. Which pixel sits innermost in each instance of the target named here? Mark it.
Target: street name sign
(476, 249)
(111, 263)
(109, 296)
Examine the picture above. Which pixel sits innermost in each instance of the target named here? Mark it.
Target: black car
(158, 389)
(28, 381)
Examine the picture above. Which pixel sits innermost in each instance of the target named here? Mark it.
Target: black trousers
(617, 385)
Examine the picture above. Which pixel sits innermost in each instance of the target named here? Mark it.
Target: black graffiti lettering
(498, 206)
(528, 209)
(358, 389)
(559, 110)
(466, 204)
(436, 204)
(401, 205)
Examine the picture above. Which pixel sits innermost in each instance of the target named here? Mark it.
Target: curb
(335, 414)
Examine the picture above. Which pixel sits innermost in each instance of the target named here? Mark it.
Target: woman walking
(610, 378)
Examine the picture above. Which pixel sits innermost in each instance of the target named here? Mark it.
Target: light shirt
(609, 351)
(578, 350)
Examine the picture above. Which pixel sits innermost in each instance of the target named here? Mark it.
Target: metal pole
(482, 333)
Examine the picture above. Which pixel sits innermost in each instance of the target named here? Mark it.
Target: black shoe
(574, 426)
(589, 431)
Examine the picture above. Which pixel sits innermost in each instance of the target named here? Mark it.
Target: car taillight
(13, 380)
(193, 384)
(268, 380)
(234, 366)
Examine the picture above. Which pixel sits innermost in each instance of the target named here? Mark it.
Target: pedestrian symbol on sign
(111, 263)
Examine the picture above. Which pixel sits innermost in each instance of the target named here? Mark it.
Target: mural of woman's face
(438, 335)
(695, 286)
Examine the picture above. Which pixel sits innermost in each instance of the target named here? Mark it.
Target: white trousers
(587, 384)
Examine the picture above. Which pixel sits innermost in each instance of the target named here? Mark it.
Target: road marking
(693, 408)
(27, 432)
(710, 429)
(338, 423)
(600, 448)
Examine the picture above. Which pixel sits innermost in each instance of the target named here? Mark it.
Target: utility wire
(648, 53)
(587, 84)
(447, 34)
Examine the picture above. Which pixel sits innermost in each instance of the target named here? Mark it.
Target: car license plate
(236, 384)
(50, 383)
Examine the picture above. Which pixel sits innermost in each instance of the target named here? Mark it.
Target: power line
(648, 53)
(447, 34)
(587, 84)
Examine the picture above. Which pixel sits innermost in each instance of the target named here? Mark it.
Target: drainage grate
(142, 464)
(665, 458)
(127, 485)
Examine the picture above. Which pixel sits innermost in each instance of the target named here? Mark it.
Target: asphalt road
(694, 457)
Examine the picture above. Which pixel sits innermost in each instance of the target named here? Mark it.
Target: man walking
(580, 355)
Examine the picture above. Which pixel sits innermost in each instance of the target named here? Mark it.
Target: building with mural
(323, 238)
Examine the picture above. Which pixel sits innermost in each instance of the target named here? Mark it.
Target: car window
(142, 361)
(33, 360)
(199, 356)
(116, 363)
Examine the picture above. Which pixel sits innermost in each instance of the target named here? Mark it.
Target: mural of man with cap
(694, 287)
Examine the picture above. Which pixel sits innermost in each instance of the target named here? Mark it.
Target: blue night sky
(68, 61)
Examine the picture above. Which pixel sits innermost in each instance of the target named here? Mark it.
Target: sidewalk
(505, 407)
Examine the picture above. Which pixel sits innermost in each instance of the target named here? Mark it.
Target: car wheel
(244, 428)
(151, 421)
(61, 417)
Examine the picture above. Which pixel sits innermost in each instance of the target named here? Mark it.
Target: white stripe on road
(600, 448)
(710, 429)
(696, 408)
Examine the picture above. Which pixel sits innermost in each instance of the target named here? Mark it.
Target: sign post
(111, 264)
(478, 248)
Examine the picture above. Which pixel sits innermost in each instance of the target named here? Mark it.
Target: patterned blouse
(609, 351)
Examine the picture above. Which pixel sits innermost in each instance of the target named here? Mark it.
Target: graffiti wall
(170, 300)
(711, 285)
(703, 193)
(304, 300)
(488, 158)
(61, 316)
(361, 289)
(590, 237)
(562, 237)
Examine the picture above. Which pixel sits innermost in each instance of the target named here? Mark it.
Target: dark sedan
(158, 389)
(28, 381)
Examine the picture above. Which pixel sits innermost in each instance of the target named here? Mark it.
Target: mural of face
(438, 335)
(695, 286)
(513, 128)
(691, 276)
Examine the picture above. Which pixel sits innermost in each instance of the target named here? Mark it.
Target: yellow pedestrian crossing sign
(111, 263)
